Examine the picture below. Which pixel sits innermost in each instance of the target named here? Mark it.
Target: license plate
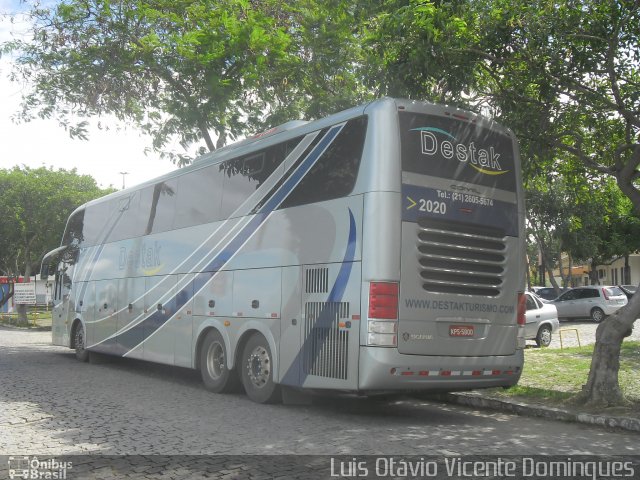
(461, 330)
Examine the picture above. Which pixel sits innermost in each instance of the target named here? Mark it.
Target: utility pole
(123, 174)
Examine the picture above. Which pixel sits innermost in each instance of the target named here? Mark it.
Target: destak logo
(437, 141)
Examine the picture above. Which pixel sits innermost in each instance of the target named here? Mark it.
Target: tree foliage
(36, 204)
(325, 73)
(180, 70)
(419, 49)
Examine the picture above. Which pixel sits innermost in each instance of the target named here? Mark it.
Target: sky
(44, 142)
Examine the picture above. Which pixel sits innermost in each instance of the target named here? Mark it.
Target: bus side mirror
(49, 263)
(46, 269)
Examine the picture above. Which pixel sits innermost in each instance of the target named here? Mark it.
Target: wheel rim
(215, 360)
(545, 337)
(259, 367)
(597, 315)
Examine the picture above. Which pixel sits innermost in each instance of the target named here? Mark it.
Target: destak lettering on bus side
(143, 256)
(478, 157)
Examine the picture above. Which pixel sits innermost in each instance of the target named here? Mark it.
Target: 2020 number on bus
(431, 206)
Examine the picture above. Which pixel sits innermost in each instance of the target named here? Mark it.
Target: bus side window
(334, 174)
(244, 175)
(158, 207)
(239, 181)
(198, 198)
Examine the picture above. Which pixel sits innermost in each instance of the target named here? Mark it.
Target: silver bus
(377, 249)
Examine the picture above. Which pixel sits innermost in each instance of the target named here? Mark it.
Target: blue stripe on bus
(126, 341)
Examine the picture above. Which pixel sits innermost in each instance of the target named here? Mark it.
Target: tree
(417, 49)
(546, 210)
(35, 206)
(325, 69)
(183, 70)
(603, 228)
(566, 77)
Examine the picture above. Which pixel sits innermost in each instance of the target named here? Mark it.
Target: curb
(524, 409)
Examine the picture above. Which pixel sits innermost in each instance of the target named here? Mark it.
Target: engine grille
(462, 259)
(326, 345)
(317, 280)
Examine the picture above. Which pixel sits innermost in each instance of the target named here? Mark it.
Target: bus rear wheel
(257, 371)
(82, 353)
(216, 376)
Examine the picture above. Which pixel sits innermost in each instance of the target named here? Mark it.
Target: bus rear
(450, 321)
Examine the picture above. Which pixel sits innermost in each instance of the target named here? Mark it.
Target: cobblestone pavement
(51, 404)
(586, 332)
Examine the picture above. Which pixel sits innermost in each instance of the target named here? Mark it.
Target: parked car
(547, 293)
(595, 302)
(628, 290)
(542, 320)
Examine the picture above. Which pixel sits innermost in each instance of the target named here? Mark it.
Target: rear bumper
(611, 309)
(385, 369)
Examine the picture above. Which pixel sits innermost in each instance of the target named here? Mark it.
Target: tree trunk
(561, 269)
(545, 264)
(202, 125)
(23, 321)
(602, 388)
(593, 274)
(570, 282)
(627, 271)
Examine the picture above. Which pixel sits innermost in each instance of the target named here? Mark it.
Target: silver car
(542, 320)
(596, 302)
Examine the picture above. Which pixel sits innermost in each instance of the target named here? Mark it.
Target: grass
(36, 319)
(553, 376)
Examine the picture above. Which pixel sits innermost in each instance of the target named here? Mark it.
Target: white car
(542, 320)
(595, 302)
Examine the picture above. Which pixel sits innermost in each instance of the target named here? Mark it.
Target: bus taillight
(383, 314)
(383, 300)
(522, 309)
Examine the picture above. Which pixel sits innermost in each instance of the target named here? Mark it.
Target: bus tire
(256, 371)
(216, 376)
(79, 344)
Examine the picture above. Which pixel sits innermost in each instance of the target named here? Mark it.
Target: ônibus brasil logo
(484, 161)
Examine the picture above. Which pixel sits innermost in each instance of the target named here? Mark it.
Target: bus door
(130, 309)
(291, 321)
(106, 314)
(159, 307)
(60, 261)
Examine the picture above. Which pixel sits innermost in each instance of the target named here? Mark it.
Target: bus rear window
(458, 150)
